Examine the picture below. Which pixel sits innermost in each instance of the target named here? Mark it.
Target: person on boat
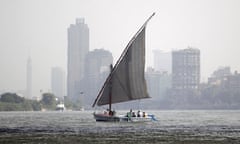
(113, 112)
(110, 113)
(105, 113)
(133, 114)
(144, 114)
(139, 114)
(129, 114)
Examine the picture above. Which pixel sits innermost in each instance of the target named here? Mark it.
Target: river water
(200, 127)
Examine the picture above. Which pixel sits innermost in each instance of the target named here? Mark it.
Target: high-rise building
(97, 62)
(78, 47)
(97, 68)
(29, 79)
(58, 82)
(186, 69)
(162, 61)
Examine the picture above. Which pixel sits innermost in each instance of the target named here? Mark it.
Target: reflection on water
(79, 127)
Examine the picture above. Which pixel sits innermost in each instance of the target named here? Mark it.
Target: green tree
(36, 106)
(13, 102)
(49, 101)
(11, 98)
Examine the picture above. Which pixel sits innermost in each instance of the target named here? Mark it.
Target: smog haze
(38, 28)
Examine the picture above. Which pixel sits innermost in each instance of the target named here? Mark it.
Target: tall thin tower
(29, 78)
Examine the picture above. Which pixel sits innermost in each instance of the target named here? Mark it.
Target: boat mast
(110, 91)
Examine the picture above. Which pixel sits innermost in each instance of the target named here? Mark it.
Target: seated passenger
(129, 114)
(105, 112)
(114, 112)
(133, 114)
(139, 114)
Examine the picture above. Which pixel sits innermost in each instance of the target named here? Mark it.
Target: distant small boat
(60, 107)
(126, 81)
(82, 109)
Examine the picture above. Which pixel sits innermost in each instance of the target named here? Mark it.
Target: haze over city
(39, 29)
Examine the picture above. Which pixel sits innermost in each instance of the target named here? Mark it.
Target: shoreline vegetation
(14, 102)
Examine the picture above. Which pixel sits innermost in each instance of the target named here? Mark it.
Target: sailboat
(126, 81)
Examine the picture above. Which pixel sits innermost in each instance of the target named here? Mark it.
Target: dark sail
(127, 77)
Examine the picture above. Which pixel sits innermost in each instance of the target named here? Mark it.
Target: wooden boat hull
(106, 118)
(120, 118)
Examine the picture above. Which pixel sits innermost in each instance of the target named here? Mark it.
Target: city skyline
(211, 26)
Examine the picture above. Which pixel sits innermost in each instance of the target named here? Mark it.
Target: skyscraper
(29, 79)
(97, 68)
(186, 69)
(97, 62)
(78, 47)
(58, 82)
(157, 83)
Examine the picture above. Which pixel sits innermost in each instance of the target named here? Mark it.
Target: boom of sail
(126, 81)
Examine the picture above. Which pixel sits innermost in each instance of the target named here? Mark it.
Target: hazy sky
(39, 28)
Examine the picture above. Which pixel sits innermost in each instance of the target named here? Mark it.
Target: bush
(13, 102)
(11, 98)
